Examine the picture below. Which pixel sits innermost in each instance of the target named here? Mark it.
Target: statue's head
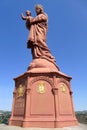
(28, 13)
(39, 9)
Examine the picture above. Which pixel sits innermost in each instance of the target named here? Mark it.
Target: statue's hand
(22, 16)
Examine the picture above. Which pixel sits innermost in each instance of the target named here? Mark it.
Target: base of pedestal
(43, 124)
(42, 99)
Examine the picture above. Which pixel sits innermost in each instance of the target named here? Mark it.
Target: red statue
(42, 96)
(38, 27)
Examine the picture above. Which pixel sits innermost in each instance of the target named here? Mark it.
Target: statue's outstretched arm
(23, 17)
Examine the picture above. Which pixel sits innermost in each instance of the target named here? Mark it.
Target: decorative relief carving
(41, 88)
(63, 88)
(20, 91)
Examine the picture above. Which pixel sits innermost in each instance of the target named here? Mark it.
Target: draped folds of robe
(37, 37)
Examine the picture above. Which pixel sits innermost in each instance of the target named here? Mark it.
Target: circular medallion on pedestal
(41, 88)
(20, 91)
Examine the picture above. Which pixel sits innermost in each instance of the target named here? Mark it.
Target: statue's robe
(37, 37)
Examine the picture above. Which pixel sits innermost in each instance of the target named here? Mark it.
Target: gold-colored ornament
(41, 88)
(63, 88)
(20, 91)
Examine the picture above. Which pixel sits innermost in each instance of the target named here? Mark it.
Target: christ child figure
(29, 26)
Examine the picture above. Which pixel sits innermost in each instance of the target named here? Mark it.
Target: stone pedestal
(42, 98)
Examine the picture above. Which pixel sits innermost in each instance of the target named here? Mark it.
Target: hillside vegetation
(82, 116)
(4, 116)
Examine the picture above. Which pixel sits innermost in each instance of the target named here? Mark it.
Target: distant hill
(3, 111)
(4, 116)
(81, 116)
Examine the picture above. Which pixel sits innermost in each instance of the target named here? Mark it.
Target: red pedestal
(42, 99)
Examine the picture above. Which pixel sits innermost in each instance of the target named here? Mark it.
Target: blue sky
(67, 40)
